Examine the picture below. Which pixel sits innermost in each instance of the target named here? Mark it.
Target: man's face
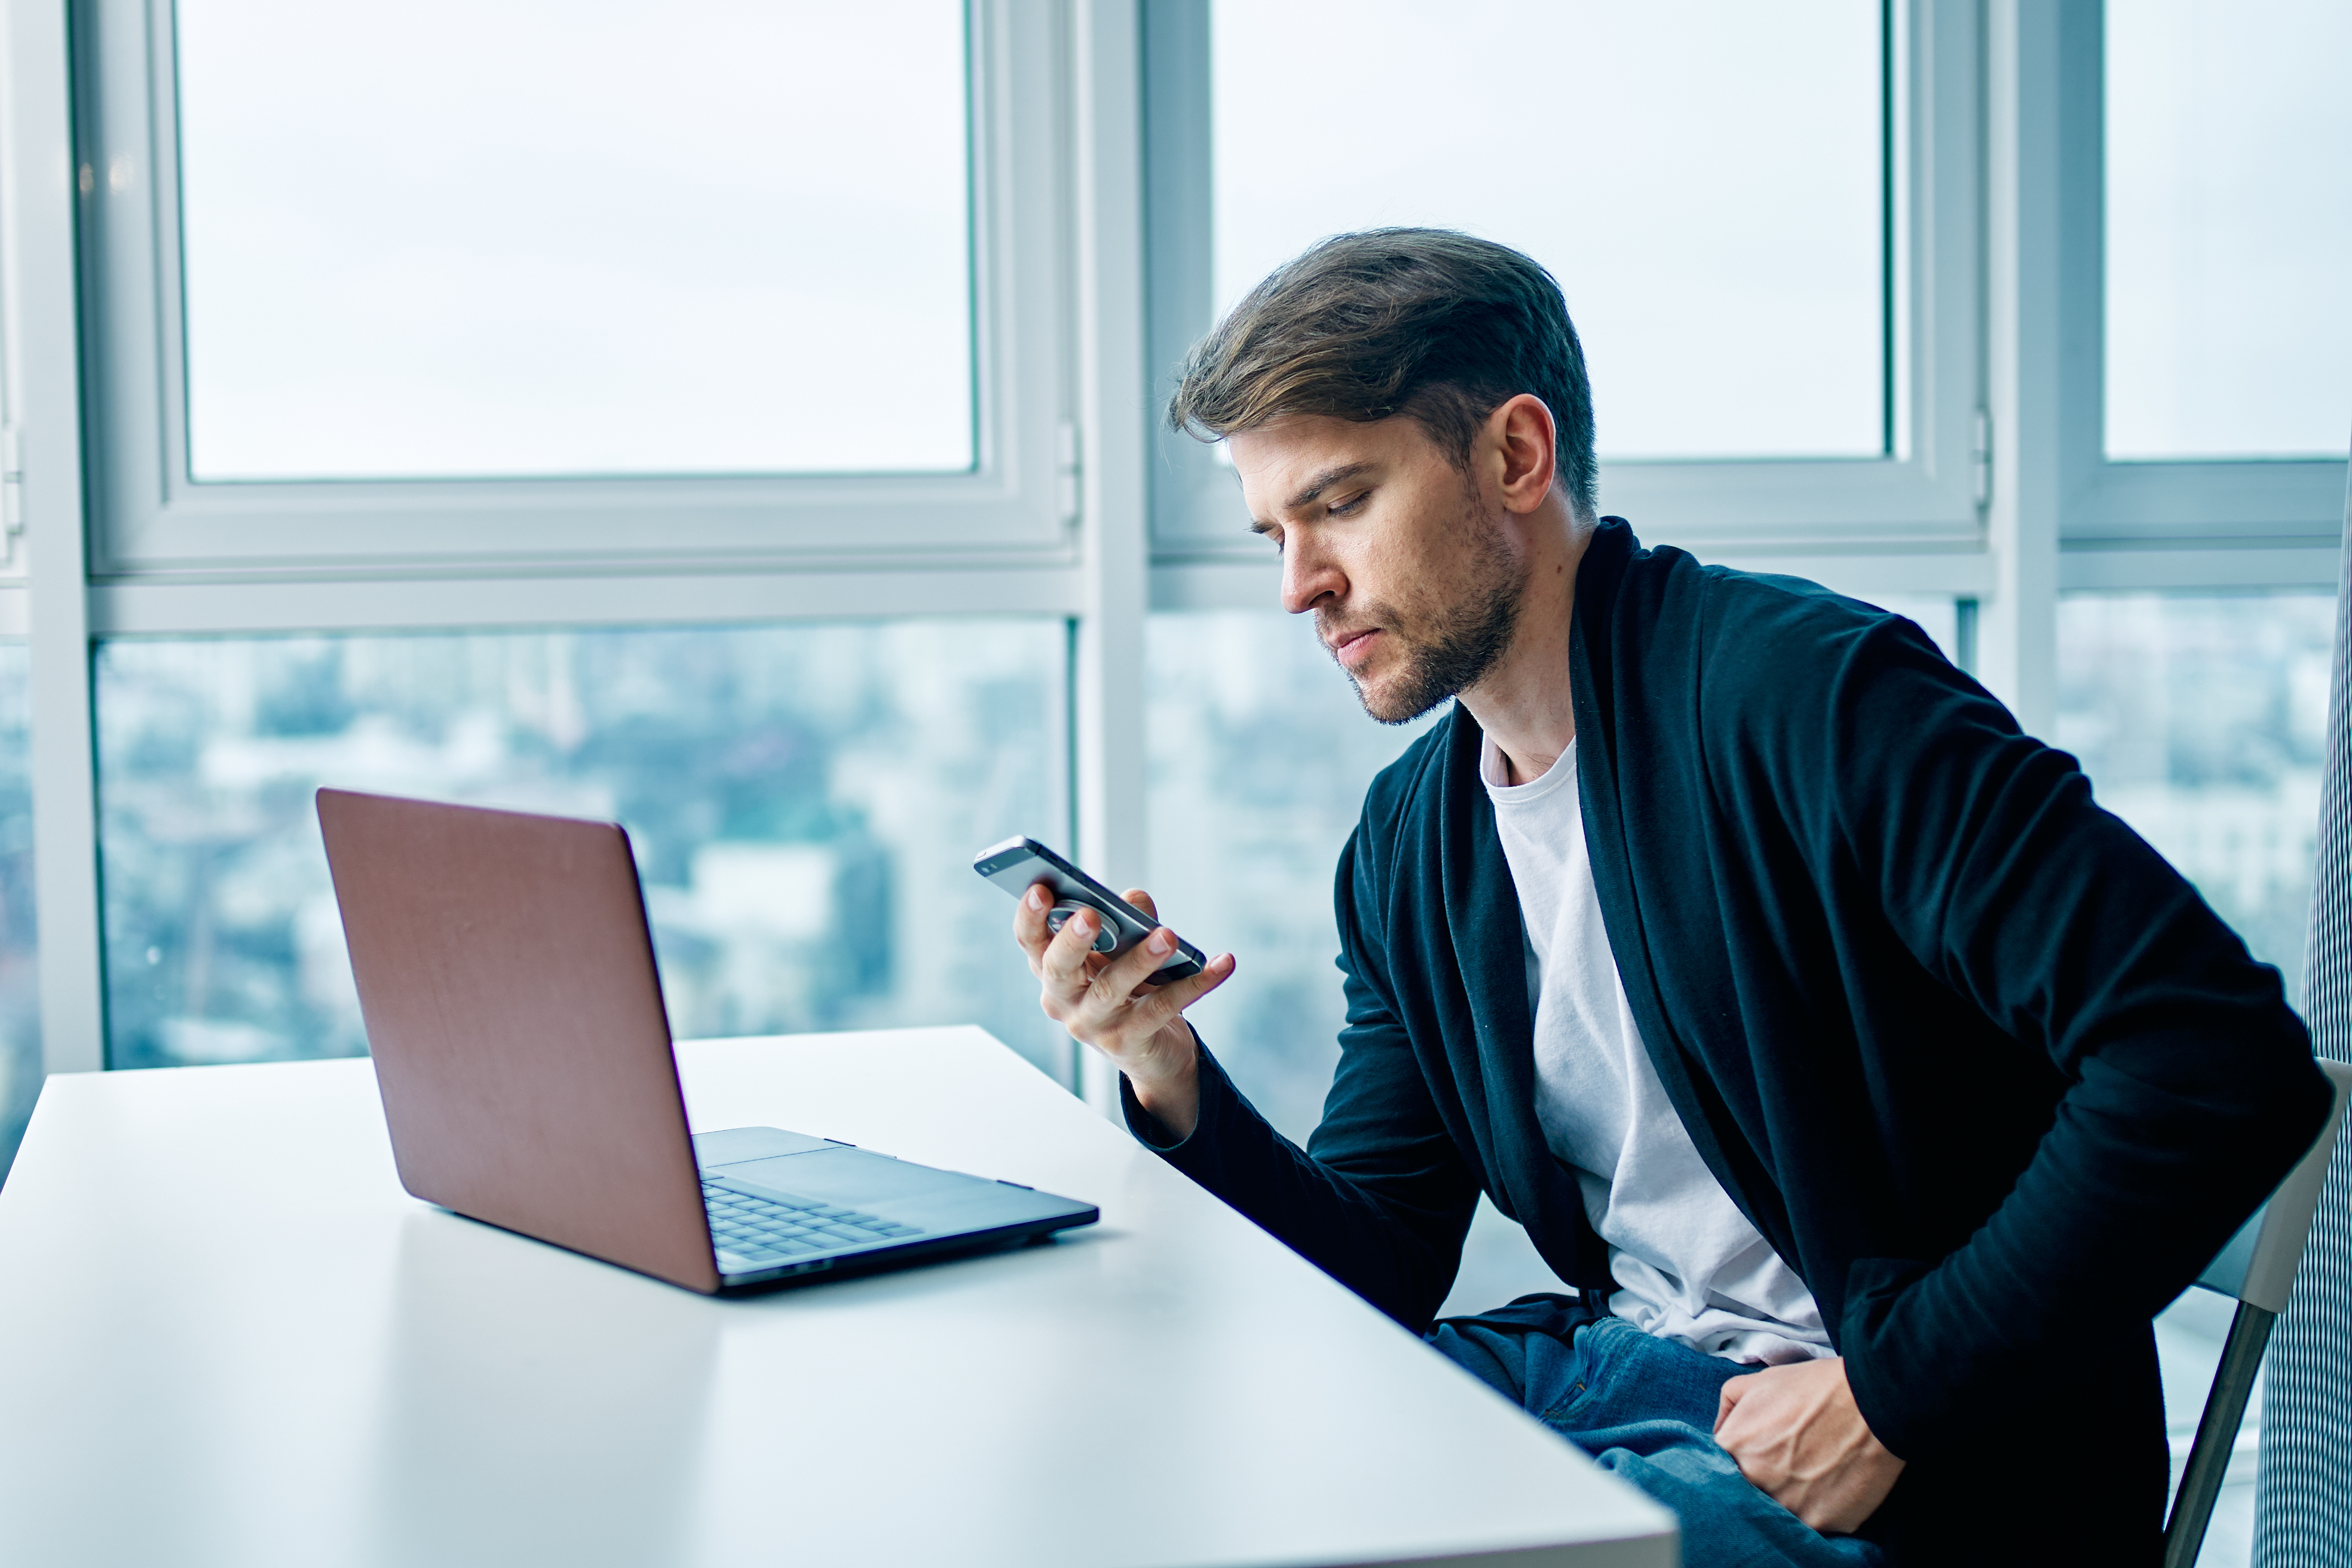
(1413, 574)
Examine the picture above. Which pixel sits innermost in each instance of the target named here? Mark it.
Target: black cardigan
(1975, 1060)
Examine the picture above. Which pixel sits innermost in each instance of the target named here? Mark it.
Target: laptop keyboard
(773, 1229)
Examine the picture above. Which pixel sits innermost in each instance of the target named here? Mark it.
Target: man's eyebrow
(1324, 481)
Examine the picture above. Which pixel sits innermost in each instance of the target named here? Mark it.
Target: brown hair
(1427, 322)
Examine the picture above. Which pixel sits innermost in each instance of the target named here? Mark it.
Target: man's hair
(1425, 322)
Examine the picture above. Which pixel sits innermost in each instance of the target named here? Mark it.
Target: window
(1709, 188)
(1762, 219)
(552, 287)
(2229, 230)
(393, 372)
(431, 240)
(804, 803)
(2201, 720)
(2201, 405)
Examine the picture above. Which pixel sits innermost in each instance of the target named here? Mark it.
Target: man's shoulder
(1765, 636)
(1728, 600)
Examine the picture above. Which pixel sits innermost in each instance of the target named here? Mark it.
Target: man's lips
(1351, 648)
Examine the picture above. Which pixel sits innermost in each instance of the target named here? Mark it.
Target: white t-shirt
(1688, 1264)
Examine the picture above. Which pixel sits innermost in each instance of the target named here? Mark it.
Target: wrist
(1167, 1084)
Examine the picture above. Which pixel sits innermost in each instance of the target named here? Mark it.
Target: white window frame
(1911, 522)
(1043, 528)
(2000, 494)
(2156, 524)
(150, 519)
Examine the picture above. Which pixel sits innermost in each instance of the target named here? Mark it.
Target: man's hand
(1797, 1434)
(1105, 1001)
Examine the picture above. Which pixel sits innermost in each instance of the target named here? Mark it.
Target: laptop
(506, 976)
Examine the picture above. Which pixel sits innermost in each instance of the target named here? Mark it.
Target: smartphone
(1017, 864)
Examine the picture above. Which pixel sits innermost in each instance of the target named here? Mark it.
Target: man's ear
(1521, 433)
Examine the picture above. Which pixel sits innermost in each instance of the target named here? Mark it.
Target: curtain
(2302, 1496)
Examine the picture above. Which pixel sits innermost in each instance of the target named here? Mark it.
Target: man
(1872, 1085)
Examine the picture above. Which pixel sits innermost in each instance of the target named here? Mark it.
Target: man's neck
(1523, 703)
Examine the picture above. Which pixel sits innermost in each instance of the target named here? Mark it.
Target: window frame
(1911, 520)
(2158, 523)
(149, 520)
(1997, 499)
(1057, 101)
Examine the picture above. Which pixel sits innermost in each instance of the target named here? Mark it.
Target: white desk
(227, 1337)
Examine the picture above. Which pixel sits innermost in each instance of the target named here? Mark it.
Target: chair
(2258, 1267)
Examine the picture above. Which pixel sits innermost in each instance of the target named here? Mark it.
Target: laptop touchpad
(851, 1177)
(736, 1144)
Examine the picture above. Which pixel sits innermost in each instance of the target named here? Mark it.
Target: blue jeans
(1643, 1407)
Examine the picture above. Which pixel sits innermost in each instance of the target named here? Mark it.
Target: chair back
(2258, 1265)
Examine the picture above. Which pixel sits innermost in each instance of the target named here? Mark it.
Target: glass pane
(20, 1004)
(805, 801)
(2229, 228)
(1704, 178)
(432, 239)
(2199, 719)
(1260, 756)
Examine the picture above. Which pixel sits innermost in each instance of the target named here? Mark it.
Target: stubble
(1453, 633)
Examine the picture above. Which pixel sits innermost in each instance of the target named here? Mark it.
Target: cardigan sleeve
(1381, 1197)
(2189, 1084)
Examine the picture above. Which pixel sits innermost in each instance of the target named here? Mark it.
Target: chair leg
(2217, 1434)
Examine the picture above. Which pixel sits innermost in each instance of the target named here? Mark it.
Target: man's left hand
(1795, 1432)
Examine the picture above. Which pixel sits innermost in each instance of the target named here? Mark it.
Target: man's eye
(1347, 508)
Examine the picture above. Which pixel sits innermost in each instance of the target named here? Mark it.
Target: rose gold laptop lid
(507, 979)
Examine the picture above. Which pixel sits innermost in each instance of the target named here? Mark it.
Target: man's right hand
(1105, 1003)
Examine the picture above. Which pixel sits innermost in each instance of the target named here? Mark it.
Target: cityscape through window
(803, 801)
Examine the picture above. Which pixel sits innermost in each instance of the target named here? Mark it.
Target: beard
(1451, 637)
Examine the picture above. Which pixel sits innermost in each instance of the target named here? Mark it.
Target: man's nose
(1308, 575)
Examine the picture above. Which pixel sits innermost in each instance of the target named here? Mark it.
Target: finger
(1029, 927)
(1732, 1389)
(1141, 901)
(1172, 998)
(1063, 964)
(1124, 975)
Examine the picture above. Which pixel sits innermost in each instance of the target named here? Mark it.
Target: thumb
(1141, 901)
(1734, 1390)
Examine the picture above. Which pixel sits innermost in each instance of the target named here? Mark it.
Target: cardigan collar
(1488, 938)
(1600, 644)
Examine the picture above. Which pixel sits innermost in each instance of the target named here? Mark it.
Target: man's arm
(2191, 1088)
(1383, 1204)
